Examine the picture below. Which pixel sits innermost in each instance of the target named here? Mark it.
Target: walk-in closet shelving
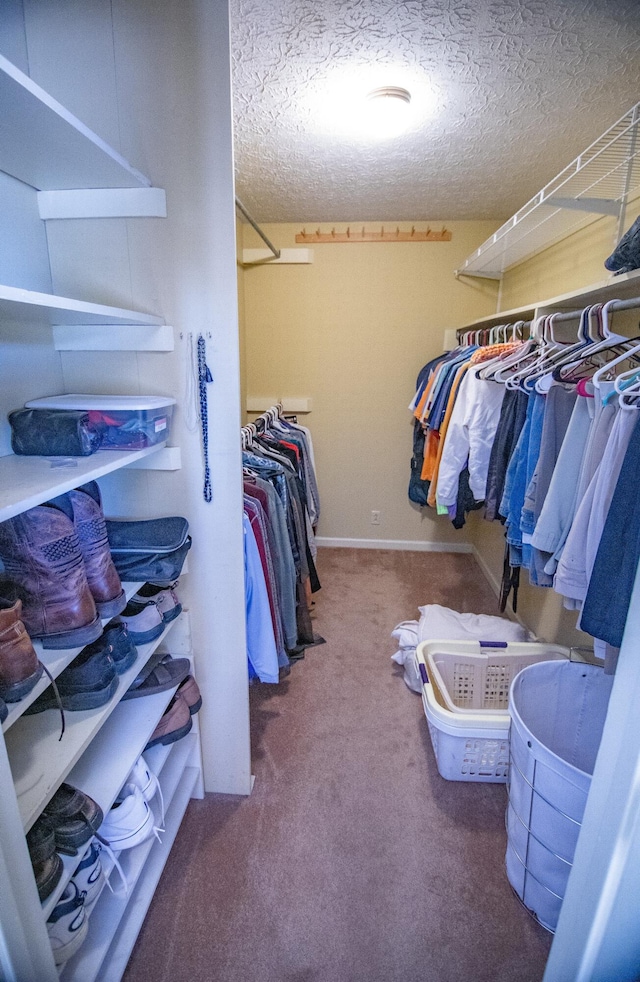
(28, 306)
(112, 936)
(100, 771)
(28, 481)
(621, 287)
(45, 146)
(600, 181)
(40, 761)
(54, 660)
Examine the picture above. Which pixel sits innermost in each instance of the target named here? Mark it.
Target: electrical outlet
(375, 517)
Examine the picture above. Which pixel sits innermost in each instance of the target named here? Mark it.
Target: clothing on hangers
(280, 487)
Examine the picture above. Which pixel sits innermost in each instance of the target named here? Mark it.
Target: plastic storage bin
(126, 422)
(471, 742)
(558, 712)
(472, 677)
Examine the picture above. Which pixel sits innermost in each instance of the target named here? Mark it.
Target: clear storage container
(125, 422)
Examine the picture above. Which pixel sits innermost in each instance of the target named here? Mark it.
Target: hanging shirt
(261, 645)
(606, 605)
(470, 436)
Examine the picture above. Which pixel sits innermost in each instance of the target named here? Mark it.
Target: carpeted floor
(352, 860)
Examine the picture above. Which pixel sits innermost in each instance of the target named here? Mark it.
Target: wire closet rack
(600, 181)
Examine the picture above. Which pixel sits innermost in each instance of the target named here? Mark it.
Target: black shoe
(46, 863)
(116, 642)
(74, 818)
(88, 682)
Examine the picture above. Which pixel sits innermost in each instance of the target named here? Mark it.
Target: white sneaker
(68, 925)
(129, 822)
(89, 876)
(143, 777)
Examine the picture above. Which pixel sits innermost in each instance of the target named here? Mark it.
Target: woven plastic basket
(476, 676)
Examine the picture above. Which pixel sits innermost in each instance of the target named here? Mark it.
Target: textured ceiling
(506, 93)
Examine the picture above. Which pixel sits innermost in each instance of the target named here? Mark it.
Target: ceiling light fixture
(388, 110)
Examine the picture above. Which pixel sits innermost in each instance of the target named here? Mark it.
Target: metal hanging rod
(571, 315)
(254, 225)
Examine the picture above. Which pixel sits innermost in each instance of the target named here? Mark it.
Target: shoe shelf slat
(46, 146)
(40, 761)
(103, 767)
(55, 662)
(29, 481)
(116, 920)
(133, 860)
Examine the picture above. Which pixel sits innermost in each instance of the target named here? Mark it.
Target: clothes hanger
(609, 385)
(531, 369)
(609, 344)
(567, 352)
(503, 360)
(523, 357)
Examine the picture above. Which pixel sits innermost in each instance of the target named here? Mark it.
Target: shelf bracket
(112, 337)
(288, 257)
(479, 275)
(103, 203)
(600, 206)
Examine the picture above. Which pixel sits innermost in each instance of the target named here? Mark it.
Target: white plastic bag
(439, 623)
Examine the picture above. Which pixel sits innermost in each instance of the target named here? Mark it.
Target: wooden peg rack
(384, 235)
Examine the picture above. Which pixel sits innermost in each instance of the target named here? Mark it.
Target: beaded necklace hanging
(204, 377)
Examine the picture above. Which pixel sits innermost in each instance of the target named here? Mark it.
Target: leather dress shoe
(20, 668)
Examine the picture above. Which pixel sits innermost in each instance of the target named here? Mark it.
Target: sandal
(161, 672)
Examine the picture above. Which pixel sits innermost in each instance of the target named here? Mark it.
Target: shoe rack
(99, 747)
(68, 172)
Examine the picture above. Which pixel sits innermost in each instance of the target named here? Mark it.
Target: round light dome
(388, 110)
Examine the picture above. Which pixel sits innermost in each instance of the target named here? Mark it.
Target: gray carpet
(353, 860)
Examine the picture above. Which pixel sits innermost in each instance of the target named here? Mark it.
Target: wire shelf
(601, 180)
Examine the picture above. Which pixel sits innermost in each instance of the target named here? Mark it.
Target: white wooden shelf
(55, 661)
(103, 768)
(29, 306)
(116, 920)
(46, 146)
(622, 287)
(40, 761)
(598, 182)
(29, 481)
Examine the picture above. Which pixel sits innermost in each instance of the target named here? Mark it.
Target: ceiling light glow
(387, 111)
(348, 104)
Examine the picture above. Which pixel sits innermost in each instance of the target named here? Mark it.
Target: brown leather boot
(44, 568)
(88, 519)
(19, 665)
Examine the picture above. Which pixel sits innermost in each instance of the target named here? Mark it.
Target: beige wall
(572, 264)
(351, 331)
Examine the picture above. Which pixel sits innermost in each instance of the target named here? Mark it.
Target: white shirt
(469, 437)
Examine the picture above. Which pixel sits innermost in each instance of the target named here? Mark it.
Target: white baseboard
(400, 544)
(494, 582)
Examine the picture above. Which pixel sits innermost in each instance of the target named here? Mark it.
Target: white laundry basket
(465, 693)
(557, 714)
